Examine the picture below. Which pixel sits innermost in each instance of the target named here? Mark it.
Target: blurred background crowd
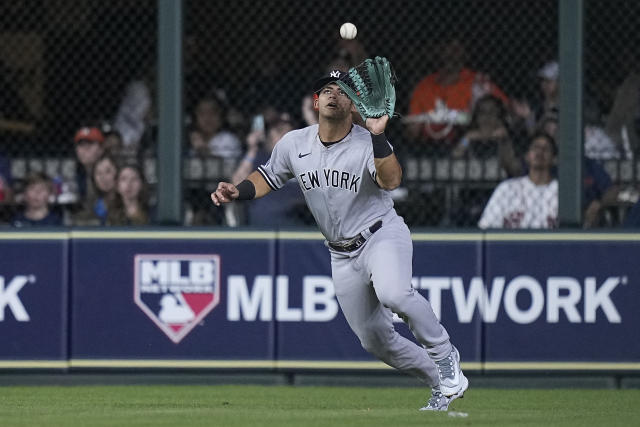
(477, 96)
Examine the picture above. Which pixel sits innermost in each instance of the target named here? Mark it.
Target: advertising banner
(562, 301)
(266, 299)
(33, 296)
(310, 323)
(446, 271)
(147, 297)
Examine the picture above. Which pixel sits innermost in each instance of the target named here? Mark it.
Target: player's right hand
(225, 193)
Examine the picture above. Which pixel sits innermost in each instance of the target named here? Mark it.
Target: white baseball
(348, 31)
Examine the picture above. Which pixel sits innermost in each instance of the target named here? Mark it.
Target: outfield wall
(265, 300)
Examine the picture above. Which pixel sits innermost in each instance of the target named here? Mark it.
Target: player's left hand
(370, 86)
(377, 125)
(225, 193)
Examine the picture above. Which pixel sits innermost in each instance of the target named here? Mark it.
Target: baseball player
(345, 172)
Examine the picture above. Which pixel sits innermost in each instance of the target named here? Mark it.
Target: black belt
(354, 243)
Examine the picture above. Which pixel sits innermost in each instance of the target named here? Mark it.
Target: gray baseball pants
(374, 281)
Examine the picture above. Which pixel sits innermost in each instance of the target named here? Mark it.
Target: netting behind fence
(477, 81)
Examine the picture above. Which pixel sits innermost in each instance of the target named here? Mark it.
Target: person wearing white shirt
(530, 201)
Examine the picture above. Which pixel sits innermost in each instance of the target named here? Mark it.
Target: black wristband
(381, 147)
(246, 190)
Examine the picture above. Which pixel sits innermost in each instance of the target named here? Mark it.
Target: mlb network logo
(177, 291)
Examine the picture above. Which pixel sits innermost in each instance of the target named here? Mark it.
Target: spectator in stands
(623, 122)
(442, 102)
(546, 103)
(135, 111)
(38, 193)
(89, 148)
(598, 190)
(530, 201)
(209, 136)
(597, 142)
(130, 206)
(282, 210)
(113, 144)
(599, 193)
(104, 177)
(632, 219)
(489, 135)
(488, 130)
(6, 192)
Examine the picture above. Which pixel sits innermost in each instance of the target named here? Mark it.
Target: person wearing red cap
(89, 148)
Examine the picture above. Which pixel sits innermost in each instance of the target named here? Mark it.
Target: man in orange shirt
(441, 103)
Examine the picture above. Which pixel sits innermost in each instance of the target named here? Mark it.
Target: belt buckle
(348, 246)
(358, 242)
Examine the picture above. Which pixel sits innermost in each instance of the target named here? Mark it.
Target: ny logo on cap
(335, 73)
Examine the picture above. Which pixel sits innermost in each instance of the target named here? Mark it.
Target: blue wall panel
(97, 296)
(443, 271)
(108, 323)
(564, 301)
(326, 335)
(33, 296)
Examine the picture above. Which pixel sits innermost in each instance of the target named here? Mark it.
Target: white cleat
(453, 383)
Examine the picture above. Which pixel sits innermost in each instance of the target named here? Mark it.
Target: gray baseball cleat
(437, 401)
(452, 380)
(440, 402)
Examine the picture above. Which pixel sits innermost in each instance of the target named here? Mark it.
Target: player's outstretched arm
(388, 170)
(251, 188)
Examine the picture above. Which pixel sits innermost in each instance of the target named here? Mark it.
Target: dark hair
(551, 116)
(116, 211)
(105, 156)
(542, 134)
(502, 110)
(218, 97)
(219, 102)
(37, 178)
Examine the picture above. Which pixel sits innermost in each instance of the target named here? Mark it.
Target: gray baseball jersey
(340, 188)
(338, 181)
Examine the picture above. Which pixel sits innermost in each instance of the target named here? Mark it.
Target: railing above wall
(416, 169)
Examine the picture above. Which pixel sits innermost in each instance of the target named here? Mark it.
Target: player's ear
(316, 105)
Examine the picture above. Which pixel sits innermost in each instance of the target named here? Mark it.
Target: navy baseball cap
(330, 77)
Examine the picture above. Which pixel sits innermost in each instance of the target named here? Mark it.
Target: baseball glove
(370, 86)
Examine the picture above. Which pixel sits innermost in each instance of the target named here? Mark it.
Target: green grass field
(307, 406)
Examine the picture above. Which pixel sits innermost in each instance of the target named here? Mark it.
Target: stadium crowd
(455, 114)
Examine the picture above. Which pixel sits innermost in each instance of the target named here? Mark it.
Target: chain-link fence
(477, 81)
(76, 82)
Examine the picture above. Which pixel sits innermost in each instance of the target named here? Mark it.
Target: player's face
(333, 102)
